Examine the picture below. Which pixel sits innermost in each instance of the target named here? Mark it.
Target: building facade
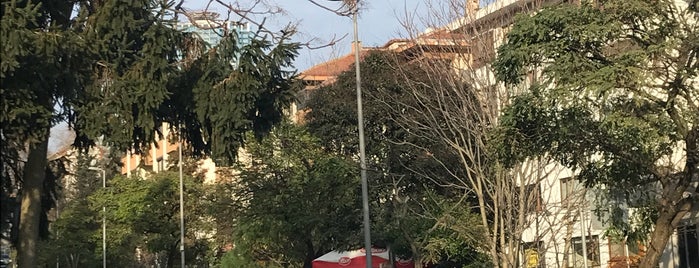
(211, 29)
(565, 228)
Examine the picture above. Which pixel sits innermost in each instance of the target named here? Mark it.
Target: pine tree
(118, 70)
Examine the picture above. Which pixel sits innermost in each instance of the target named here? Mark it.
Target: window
(160, 164)
(618, 248)
(483, 49)
(570, 187)
(621, 254)
(688, 247)
(533, 198)
(576, 253)
(534, 255)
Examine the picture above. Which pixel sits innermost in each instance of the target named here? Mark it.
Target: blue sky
(379, 22)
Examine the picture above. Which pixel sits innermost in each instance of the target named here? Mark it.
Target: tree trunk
(676, 205)
(416, 256)
(664, 227)
(172, 254)
(310, 254)
(308, 261)
(659, 237)
(30, 215)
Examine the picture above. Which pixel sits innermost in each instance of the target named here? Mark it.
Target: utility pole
(104, 218)
(360, 124)
(181, 205)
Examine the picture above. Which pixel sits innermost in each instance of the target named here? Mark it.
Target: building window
(483, 46)
(623, 253)
(160, 164)
(570, 189)
(576, 253)
(533, 201)
(534, 255)
(688, 247)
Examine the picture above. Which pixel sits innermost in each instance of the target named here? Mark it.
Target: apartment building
(433, 44)
(565, 230)
(211, 28)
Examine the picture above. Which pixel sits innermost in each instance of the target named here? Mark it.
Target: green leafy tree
(411, 194)
(144, 213)
(292, 201)
(75, 239)
(617, 102)
(72, 240)
(118, 70)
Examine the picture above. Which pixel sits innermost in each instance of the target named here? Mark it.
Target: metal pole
(626, 252)
(582, 232)
(181, 206)
(360, 125)
(104, 223)
(104, 217)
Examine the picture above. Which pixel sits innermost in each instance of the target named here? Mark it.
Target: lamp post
(360, 125)
(104, 218)
(179, 152)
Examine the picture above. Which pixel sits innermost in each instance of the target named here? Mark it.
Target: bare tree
(456, 101)
(257, 13)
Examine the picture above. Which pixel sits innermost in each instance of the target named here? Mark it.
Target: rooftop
(333, 67)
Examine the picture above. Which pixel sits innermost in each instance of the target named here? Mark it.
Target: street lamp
(360, 125)
(179, 159)
(104, 218)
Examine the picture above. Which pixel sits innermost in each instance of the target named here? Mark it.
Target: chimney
(471, 8)
(352, 47)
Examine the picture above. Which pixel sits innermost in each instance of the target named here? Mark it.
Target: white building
(564, 229)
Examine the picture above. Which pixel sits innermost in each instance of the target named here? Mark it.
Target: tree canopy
(617, 101)
(117, 70)
(412, 197)
(292, 201)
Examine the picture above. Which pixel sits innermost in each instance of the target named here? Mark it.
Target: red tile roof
(332, 68)
(440, 41)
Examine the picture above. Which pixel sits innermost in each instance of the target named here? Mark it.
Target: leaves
(299, 201)
(616, 101)
(145, 213)
(118, 72)
(408, 197)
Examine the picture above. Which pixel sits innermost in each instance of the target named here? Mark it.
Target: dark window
(570, 188)
(483, 49)
(160, 164)
(576, 253)
(533, 198)
(688, 246)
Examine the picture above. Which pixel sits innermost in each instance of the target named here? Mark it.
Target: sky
(379, 21)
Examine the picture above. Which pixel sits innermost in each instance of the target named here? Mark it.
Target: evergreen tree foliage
(616, 102)
(118, 70)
